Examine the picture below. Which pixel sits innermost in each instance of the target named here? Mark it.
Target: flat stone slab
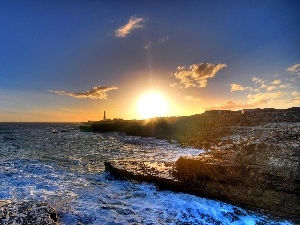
(159, 173)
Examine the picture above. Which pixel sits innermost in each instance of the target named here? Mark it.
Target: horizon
(69, 61)
(76, 122)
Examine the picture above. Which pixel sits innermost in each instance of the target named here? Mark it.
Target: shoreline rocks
(27, 212)
(255, 167)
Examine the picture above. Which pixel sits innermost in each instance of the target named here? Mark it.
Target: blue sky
(71, 60)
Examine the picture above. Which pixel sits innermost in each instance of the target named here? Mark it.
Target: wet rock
(27, 213)
(263, 177)
(159, 173)
(257, 167)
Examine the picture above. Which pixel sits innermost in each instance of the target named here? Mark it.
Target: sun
(152, 105)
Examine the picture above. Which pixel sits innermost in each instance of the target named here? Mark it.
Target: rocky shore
(27, 212)
(256, 166)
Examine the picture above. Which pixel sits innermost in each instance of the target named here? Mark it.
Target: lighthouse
(104, 116)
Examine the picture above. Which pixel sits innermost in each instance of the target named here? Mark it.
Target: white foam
(66, 170)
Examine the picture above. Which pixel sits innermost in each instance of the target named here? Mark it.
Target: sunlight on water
(66, 170)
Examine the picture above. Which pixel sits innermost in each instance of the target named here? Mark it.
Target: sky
(68, 61)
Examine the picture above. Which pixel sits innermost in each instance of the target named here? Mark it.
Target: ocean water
(66, 170)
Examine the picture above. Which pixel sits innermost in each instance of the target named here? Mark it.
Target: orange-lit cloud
(296, 93)
(231, 105)
(296, 97)
(262, 84)
(192, 98)
(277, 82)
(98, 92)
(295, 69)
(133, 24)
(236, 87)
(197, 74)
(266, 96)
(263, 94)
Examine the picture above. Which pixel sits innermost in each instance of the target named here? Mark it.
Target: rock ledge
(255, 167)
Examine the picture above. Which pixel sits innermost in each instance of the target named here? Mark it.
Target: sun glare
(152, 105)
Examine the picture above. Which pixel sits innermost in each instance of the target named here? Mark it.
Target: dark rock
(259, 178)
(255, 167)
(159, 173)
(27, 213)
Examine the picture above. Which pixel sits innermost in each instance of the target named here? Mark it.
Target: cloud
(295, 69)
(278, 93)
(295, 93)
(196, 75)
(192, 98)
(296, 100)
(98, 92)
(268, 86)
(158, 42)
(265, 97)
(277, 82)
(271, 88)
(133, 24)
(285, 86)
(236, 87)
(231, 105)
(257, 80)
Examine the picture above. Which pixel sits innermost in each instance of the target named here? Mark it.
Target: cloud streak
(133, 24)
(98, 92)
(295, 69)
(196, 75)
(158, 42)
(231, 105)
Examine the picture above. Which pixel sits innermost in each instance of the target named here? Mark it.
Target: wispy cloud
(231, 105)
(295, 69)
(259, 81)
(98, 92)
(158, 42)
(266, 96)
(296, 93)
(197, 74)
(133, 24)
(262, 93)
(192, 98)
(260, 84)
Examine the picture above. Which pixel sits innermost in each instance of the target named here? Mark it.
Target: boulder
(27, 213)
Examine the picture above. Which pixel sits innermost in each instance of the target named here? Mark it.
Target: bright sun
(152, 105)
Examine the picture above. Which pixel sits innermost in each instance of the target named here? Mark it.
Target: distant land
(195, 129)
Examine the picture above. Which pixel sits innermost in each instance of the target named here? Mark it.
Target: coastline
(251, 161)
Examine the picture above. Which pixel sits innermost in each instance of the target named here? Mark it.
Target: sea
(58, 164)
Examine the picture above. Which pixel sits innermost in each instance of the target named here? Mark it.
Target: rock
(256, 167)
(159, 173)
(27, 213)
(259, 178)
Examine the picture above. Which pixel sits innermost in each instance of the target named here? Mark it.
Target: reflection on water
(66, 169)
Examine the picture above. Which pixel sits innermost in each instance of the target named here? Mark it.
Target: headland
(252, 157)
